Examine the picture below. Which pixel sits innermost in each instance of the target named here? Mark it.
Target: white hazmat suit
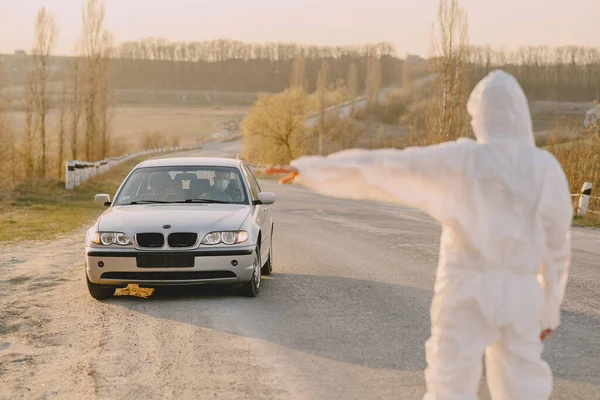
(506, 212)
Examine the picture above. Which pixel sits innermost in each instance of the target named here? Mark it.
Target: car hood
(181, 218)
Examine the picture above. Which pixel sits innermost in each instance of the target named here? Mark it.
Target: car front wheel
(99, 292)
(267, 269)
(252, 288)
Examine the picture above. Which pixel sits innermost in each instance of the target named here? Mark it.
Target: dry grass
(592, 217)
(580, 160)
(133, 128)
(132, 122)
(550, 117)
(45, 210)
(15, 96)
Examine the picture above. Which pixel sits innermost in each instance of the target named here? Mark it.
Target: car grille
(182, 239)
(150, 239)
(168, 276)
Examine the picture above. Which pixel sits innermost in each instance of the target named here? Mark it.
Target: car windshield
(202, 185)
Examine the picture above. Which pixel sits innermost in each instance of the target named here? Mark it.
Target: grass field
(46, 210)
(551, 116)
(130, 124)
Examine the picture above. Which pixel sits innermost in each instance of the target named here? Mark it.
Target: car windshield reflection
(189, 185)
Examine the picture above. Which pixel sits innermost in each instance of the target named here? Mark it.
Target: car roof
(191, 161)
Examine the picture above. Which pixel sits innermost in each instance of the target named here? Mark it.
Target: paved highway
(344, 316)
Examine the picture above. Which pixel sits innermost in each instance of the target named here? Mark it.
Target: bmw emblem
(166, 226)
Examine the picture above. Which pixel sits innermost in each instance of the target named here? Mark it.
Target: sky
(404, 23)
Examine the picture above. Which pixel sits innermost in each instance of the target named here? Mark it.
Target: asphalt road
(344, 316)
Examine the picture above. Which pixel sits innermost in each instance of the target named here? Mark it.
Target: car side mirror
(265, 198)
(102, 199)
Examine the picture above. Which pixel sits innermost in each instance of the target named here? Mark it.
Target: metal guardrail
(77, 171)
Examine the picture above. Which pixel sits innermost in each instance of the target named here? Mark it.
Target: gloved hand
(282, 169)
(545, 334)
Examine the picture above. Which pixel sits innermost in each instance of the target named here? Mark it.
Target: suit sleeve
(419, 177)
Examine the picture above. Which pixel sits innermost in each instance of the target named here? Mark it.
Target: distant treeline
(563, 73)
(567, 73)
(224, 65)
(245, 67)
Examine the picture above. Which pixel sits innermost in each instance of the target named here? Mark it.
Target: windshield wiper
(203, 201)
(150, 202)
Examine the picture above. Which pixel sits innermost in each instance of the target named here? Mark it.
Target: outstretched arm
(420, 177)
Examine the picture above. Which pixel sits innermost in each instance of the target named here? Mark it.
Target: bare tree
(298, 72)
(104, 94)
(322, 83)
(449, 118)
(45, 39)
(7, 142)
(61, 130)
(373, 80)
(30, 129)
(95, 43)
(75, 104)
(352, 81)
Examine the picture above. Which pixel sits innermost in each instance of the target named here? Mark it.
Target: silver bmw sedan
(182, 221)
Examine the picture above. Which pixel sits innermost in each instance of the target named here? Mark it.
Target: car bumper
(120, 267)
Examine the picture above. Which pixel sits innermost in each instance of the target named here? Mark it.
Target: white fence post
(584, 199)
(77, 173)
(70, 175)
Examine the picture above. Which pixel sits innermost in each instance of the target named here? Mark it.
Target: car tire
(99, 292)
(252, 288)
(267, 269)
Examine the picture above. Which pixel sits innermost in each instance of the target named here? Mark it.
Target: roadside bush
(274, 129)
(343, 133)
(392, 108)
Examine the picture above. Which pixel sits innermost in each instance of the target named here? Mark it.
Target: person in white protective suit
(505, 210)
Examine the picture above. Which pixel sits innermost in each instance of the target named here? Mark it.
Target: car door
(261, 211)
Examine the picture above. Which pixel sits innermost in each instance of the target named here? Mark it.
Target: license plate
(165, 260)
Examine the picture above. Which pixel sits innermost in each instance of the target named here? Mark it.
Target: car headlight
(108, 238)
(212, 238)
(227, 237)
(122, 239)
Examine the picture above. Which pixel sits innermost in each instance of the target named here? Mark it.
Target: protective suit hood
(500, 111)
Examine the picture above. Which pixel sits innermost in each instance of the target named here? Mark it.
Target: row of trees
(567, 73)
(83, 103)
(430, 113)
(255, 75)
(563, 73)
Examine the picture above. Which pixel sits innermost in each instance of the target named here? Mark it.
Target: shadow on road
(373, 324)
(360, 322)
